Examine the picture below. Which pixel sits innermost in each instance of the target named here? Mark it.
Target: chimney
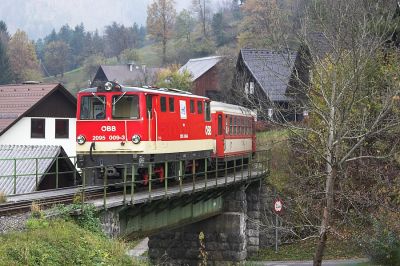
(131, 66)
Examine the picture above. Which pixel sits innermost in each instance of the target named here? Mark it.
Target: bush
(383, 246)
(86, 219)
(61, 243)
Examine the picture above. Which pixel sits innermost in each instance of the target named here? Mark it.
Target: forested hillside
(203, 29)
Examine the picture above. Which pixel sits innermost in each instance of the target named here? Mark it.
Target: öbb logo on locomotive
(108, 128)
(155, 129)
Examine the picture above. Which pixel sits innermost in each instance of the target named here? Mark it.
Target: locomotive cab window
(125, 107)
(93, 107)
(149, 106)
(171, 104)
(163, 104)
(192, 109)
(199, 107)
(207, 111)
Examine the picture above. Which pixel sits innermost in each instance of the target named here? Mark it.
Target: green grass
(72, 80)
(277, 142)
(150, 55)
(304, 250)
(61, 242)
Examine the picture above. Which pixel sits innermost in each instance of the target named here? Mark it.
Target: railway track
(11, 208)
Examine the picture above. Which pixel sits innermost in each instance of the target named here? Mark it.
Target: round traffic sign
(278, 205)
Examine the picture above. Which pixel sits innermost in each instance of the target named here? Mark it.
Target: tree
(344, 154)
(117, 38)
(161, 16)
(218, 26)
(5, 70)
(4, 35)
(56, 57)
(184, 25)
(351, 97)
(203, 10)
(128, 56)
(22, 56)
(92, 63)
(265, 24)
(172, 78)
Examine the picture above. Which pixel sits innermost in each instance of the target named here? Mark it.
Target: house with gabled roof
(38, 114)
(272, 80)
(204, 73)
(126, 74)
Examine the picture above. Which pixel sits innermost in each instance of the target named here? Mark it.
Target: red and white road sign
(278, 205)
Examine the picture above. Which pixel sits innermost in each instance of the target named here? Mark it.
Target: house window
(38, 128)
(62, 129)
(163, 102)
(270, 112)
(251, 89)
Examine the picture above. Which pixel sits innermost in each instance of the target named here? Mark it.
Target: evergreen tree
(5, 70)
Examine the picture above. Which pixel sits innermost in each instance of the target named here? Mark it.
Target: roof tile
(272, 70)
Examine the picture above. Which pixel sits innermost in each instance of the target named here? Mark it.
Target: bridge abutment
(229, 237)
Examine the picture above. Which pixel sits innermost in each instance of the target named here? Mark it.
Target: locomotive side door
(151, 117)
(220, 134)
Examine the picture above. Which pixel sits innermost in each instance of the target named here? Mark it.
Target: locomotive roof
(147, 90)
(231, 109)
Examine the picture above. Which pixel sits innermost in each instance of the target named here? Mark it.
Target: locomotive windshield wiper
(98, 98)
(119, 98)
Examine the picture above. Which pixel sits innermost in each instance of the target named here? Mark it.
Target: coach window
(234, 125)
(208, 111)
(93, 107)
(239, 128)
(163, 103)
(192, 109)
(62, 128)
(38, 128)
(226, 125)
(149, 106)
(199, 107)
(125, 107)
(171, 104)
(230, 125)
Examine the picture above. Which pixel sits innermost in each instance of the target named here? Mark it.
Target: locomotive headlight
(81, 139)
(108, 86)
(135, 139)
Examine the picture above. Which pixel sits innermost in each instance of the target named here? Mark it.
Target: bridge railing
(24, 175)
(201, 174)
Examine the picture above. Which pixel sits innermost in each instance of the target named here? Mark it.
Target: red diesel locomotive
(118, 125)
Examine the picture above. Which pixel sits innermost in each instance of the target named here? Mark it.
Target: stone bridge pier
(232, 236)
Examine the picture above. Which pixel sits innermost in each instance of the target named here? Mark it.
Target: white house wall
(20, 134)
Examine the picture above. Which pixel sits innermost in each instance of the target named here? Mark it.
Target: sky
(39, 17)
